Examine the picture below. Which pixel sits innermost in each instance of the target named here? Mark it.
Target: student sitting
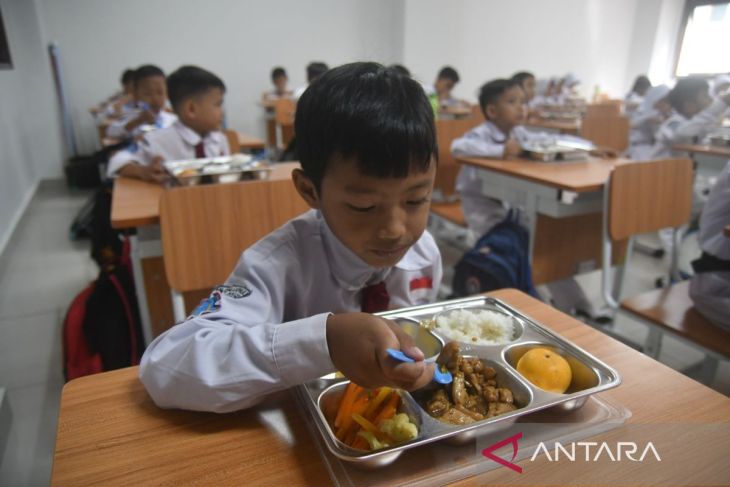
(710, 286)
(501, 137)
(315, 69)
(289, 312)
(696, 115)
(720, 84)
(150, 95)
(526, 80)
(445, 81)
(114, 106)
(567, 89)
(279, 80)
(634, 98)
(646, 120)
(196, 96)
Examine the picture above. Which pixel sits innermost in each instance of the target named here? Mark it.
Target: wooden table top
(136, 203)
(110, 432)
(250, 142)
(578, 176)
(710, 150)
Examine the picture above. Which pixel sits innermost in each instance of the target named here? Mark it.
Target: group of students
(299, 303)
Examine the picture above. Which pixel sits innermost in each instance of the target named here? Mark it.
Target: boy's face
(378, 219)
(152, 91)
(699, 102)
(203, 113)
(509, 109)
(280, 83)
(444, 86)
(528, 85)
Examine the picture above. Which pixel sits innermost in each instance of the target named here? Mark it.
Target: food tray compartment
(224, 169)
(593, 376)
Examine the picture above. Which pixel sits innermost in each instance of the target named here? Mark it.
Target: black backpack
(498, 260)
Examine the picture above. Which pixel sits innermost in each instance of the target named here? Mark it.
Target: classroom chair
(205, 229)
(643, 197)
(284, 110)
(610, 131)
(233, 144)
(611, 108)
(448, 168)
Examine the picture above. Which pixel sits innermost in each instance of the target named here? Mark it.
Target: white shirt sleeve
(477, 143)
(232, 357)
(116, 130)
(136, 153)
(701, 124)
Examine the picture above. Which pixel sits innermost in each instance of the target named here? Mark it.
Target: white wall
(485, 39)
(30, 141)
(239, 40)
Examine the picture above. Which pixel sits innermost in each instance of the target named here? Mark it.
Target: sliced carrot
(346, 426)
(360, 443)
(382, 394)
(366, 425)
(345, 403)
(388, 410)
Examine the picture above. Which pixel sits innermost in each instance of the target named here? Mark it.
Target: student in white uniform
(446, 80)
(635, 97)
(196, 96)
(720, 84)
(567, 89)
(502, 137)
(279, 79)
(119, 104)
(290, 311)
(646, 120)
(696, 114)
(527, 82)
(315, 69)
(710, 286)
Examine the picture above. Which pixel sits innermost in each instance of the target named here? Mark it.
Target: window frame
(689, 6)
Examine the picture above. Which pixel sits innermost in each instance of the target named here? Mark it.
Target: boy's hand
(357, 344)
(146, 117)
(155, 172)
(512, 149)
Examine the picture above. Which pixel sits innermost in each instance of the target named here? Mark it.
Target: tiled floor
(41, 271)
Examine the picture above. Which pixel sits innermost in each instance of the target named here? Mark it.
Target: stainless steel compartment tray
(533, 333)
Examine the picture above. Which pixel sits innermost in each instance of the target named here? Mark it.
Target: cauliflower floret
(399, 428)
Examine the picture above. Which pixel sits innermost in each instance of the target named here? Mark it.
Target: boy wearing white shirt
(367, 146)
(196, 96)
(147, 111)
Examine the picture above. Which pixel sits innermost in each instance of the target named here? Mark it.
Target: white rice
(478, 327)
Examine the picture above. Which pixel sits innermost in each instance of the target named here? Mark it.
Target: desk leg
(139, 288)
(531, 214)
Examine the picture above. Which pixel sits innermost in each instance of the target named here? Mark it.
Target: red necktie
(199, 150)
(375, 298)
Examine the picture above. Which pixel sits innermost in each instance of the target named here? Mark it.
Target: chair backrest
(446, 132)
(610, 131)
(233, 143)
(205, 228)
(647, 196)
(606, 108)
(284, 110)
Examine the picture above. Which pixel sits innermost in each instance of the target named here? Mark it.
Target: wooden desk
(135, 204)
(563, 202)
(110, 432)
(562, 126)
(248, 142)
(708, 150)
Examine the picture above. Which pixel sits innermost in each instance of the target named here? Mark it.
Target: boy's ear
(306, 189)
(188, 107)
(490, 111)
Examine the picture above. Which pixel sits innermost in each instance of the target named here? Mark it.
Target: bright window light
(705, 42)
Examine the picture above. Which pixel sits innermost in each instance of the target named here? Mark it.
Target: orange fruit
(546, 369)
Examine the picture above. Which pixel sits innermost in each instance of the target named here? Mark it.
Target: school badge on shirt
(235, 292)
(420, 287)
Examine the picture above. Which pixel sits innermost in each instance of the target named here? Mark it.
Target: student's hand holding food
(512, 149)
(357, 344)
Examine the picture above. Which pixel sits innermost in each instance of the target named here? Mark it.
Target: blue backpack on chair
(498, 260)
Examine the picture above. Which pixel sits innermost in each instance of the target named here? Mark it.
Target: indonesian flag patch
(421, 287)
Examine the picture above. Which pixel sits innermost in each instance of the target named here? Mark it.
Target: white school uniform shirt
(299, 92)
(175, 142)
(680, 130)
(645, 124)
(117, 131)
(265, 329)
(487, 140)
(710, 291)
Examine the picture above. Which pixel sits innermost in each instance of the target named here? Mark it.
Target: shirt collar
(187, 134)
(353, 273)
(495, 132)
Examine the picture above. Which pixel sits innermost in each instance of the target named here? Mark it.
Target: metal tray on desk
(590, 376)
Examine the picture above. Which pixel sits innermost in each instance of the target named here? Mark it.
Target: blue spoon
(438, 375)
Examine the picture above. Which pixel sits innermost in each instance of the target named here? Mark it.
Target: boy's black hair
(276, 72)
(521, 76)
(146, 71)
(188, 81)
(491, 91)
(449, 73)
(127, 76)
(400, 69)
(641, 83)
(315, 69)
(367, 112)
(685, 90)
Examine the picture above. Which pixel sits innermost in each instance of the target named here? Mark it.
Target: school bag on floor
(498, 260)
